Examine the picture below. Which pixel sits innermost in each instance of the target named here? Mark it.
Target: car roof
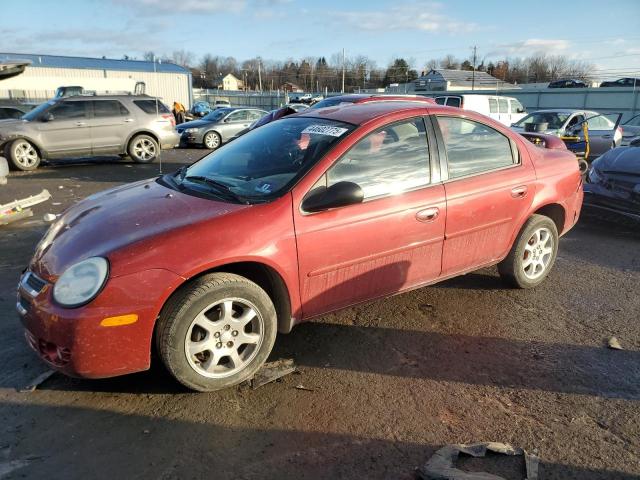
(359, 113)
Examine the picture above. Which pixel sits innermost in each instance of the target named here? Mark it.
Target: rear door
(67, 133)
(110, 125)
(234, 122)
(489, 192)
(389, 242)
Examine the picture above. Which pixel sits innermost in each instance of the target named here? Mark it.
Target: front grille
(35, 282)
(51, 353)
(32, 284)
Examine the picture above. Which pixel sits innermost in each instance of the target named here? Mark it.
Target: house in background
(229, 82)
(452, 80)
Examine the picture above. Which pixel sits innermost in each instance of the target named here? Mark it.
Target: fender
(15, 136)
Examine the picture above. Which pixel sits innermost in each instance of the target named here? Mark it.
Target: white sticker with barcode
(325, 130)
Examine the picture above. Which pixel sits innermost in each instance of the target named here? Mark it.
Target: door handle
(519, 192)
(607, 136)
(428, 214)
(128, 120)
(80, 124)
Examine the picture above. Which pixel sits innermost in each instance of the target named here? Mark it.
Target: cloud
(417, 15)
(184, 6)
(532, 46)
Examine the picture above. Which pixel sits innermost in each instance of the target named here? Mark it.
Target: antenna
(155, 79)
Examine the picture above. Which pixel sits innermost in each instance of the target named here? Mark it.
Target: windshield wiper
(221, 187)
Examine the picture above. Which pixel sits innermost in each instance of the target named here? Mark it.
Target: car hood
(619, 160)
(11, 123)
(109, 221)
(196, 124)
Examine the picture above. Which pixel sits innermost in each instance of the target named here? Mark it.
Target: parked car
(218, 127)
(68, 127)
(506, 110)
(200, 109)
(571, 83)
(308, 214)
(221, 104)
(367, 97)
(10, 113)
(298, 107)
(614, 183)
(604, 134)
(623, 82)
(630, 130)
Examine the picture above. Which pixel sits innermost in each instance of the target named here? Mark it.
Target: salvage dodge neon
(308, 214)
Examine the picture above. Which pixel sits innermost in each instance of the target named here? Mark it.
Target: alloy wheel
(211, 140)
(538, 253)
(25, 154)
(144, 149)
(224, 337)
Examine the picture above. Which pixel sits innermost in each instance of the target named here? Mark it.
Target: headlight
(191, 130)
(81, 282)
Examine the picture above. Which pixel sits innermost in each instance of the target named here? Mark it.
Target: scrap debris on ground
(272, 371)
(441, 466)
(19, 209)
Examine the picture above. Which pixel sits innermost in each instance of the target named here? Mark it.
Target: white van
(506, 110)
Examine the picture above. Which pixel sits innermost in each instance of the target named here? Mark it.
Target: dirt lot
(390, 381)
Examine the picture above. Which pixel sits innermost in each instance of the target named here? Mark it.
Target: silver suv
(134, 125)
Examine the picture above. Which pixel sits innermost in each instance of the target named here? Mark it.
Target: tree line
(361, 72)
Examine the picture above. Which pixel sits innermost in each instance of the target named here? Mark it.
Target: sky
(604, 34)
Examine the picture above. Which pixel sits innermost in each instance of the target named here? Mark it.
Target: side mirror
(339, 194)
(521, 110)
(47, 117)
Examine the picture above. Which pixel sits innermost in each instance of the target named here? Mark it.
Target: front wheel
(143, 149)
(217, 332)
(23, 155)
(532, 255)
(211, 140)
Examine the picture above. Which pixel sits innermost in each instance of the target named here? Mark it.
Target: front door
(110, 126)
(389, 242)
(489, 192)
(65, 129)
(235, 122)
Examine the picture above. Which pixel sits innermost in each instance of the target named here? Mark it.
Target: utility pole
(473, 74)
(343, 67)
(259, 75)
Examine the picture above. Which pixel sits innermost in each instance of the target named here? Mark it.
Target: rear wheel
(532, 255)
(217, 332)
(211, 140)
(23, 155)
(143, 149)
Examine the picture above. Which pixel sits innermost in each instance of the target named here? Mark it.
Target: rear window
(149, 106)
(453, 102)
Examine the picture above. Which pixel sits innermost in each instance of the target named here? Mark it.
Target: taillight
(171, 118)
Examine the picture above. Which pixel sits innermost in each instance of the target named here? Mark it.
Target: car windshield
(265, 162)
(216, 114)
(36, 112)
(554, 119)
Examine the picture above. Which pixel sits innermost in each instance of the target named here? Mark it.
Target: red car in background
(308, 214)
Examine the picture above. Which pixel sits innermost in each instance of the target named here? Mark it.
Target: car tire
(532, 255)
(204, 323)
(23, 155)
(143, 149)
(211, 140)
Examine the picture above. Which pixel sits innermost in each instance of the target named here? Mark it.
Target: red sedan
(303, 216)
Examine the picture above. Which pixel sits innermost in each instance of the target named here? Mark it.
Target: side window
(503, 105)
(599, 123)
(390, 160)
(68, 111)
(108, 108)
(493, 105)
(453, 102)
(150, 106)
(255, 115)
(441, 100)
(473, 147)
(515, 106)
(576, 120)
(239, 116)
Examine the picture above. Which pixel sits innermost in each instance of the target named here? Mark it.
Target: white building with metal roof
(46, 73)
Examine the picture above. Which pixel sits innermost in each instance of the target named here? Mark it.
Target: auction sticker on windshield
(325, 130)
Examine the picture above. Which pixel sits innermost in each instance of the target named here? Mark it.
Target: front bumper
(191, 138)
(73, 341)
(600, 198)
(169, 140)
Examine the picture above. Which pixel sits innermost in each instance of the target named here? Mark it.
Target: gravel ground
(389, 382)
